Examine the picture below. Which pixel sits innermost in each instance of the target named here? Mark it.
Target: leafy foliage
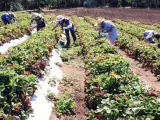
(114, 92)
(19, 71)
(65, 104)
(32, 4)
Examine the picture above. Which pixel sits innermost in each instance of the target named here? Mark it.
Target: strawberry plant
(20, 69)
(64, 105)
(14, 89)
(15, 30)
(113, 91)
(145, 53)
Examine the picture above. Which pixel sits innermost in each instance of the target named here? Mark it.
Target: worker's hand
(103, 31)
(64, 28)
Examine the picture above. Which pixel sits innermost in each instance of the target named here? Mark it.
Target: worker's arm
(32, 21)
(55, 26)
(99, 33)
(14, 18)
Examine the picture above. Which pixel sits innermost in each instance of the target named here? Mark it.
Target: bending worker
(39, 21)
(67, 26)
(109, 28)
(7, 18)
(150, 34)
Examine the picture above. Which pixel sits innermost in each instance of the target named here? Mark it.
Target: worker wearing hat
(39, 20)
(149, 34)
(8, 17)
(67, 26)
(109, 28)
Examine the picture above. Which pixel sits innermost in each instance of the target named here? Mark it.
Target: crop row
(19, 71)
(18, 29)
(113, 91)
(15, 30)
(148, 55)
(147, 27)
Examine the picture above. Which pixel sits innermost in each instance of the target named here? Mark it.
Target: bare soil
(74, 82)
(146, 76)
(147, 16)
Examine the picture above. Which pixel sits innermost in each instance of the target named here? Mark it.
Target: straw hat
(99, 21)
(60, 18)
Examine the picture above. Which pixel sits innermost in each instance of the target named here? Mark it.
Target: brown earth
(147, 16)
(146, 76)
(74, 82)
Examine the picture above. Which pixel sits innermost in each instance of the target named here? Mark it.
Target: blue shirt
(11, 16)
(66, 23)
(107, 26)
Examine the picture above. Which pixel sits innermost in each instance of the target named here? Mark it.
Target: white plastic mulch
(5, 47)
(12, 43)
(42, 107)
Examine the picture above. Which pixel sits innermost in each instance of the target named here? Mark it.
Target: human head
(60, 18)
(11, 14)
(34, 15)
(100, 21)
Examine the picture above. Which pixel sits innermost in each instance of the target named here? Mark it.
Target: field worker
(67, 26)
(7, 18)
(108, 27)
(149, 34)
(39, 21)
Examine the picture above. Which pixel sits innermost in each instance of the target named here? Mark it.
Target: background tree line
(32, 4)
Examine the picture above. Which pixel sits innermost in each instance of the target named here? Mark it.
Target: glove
(64, 28)
(103, 34)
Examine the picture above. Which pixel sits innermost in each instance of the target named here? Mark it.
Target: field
(92, 79)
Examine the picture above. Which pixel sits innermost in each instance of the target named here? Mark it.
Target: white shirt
(150, 33)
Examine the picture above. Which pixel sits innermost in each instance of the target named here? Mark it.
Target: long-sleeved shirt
(38, 20)
(107, 26)
(67, 24)
(10, 16)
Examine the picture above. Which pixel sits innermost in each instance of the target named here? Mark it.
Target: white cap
(34, 15)
(60, 18)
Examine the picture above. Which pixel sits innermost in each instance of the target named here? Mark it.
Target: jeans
(41, 25)
(68, 37)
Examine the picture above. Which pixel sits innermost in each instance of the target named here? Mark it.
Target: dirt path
(74, 82)
(146, 77)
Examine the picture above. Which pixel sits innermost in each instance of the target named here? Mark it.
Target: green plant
(64, 105)
(19, 71)
(51, 96)
(113, 91)
(91, 115)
